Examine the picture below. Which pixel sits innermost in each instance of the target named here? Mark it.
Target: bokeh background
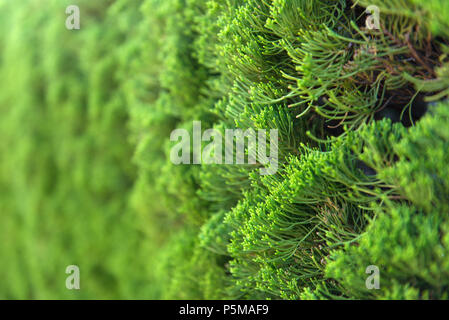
(85, 176)
(66, 170)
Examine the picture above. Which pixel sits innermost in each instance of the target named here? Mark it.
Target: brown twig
(416, 55)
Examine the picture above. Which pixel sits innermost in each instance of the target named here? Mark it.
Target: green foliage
(65, 169)
(86, 176)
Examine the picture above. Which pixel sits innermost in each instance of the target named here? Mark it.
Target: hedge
(86, 177)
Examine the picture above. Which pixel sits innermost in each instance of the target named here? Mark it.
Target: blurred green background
(84, 178)
(85, 121)
(66, 170)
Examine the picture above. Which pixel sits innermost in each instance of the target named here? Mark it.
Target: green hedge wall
(85, 170)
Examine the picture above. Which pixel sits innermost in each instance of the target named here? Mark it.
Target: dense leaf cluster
(86, 177)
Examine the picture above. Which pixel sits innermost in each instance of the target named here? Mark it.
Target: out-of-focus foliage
(65, 157)
(86, 179)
